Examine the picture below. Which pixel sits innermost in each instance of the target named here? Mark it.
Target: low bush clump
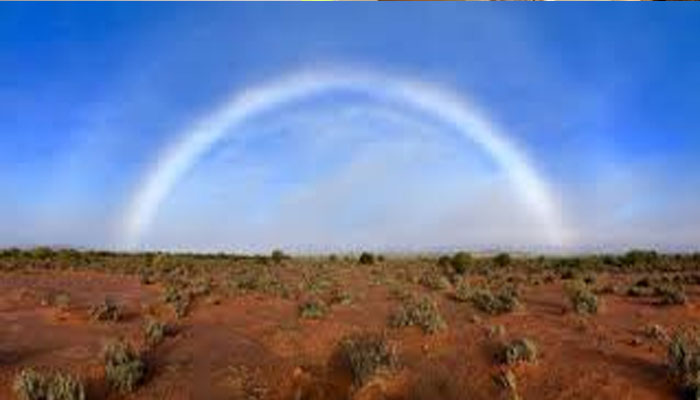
(463, 292)
(277, 256)
(32, 385)
(366, 258)
(365, 354)
(107, 310)
(502, 302)
(684, 361)
(461, 262)
(155, 331)
(671, 295)
(583, 300)
(502, 260)
(433, 279)
(125, 369)
(179, 299)
(422, 312)
(519, 350)
(313, 309)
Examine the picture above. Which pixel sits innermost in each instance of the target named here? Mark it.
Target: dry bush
(125, 368)
(684, 361)
(155, 331)
(582, 299)
(107, 310)
(502, 302)
(422, 312)
(365, 354)
(32, 385)
(519, 350)
(313, 309)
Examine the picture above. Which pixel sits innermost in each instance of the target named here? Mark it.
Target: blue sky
(602, 98)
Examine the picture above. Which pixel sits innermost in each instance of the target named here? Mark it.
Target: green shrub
(519, 350)
(366, 258)
(365, 354)
(107, 310)
(422, 312)
(313, 309)
(582, 299)
(502, 260)
(461, 262)
(277, 256)
(684, 361)
(125, 369)
(31, 385)
(504, 301)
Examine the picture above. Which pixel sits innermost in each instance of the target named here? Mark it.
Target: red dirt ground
(256, 346)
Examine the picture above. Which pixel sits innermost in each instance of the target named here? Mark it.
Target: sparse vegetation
(365, 354)
(125, 369)
(315, 285)
(32, 385)
(422, 312)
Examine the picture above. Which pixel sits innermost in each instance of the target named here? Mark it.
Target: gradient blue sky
(604, 98)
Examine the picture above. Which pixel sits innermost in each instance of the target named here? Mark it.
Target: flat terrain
(260, 328)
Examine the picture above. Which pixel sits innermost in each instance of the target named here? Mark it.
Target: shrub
(583, 300)
(125, 369)
(684, 361)
(519, 350)
(154, 331)
(340, 296)
(656, 332)
(179, 299)
(463, 292)
(107, 310)
(31, 385)
(366, 258)
(313, 309)
(261, 279)
(502, 259)
(422, 312)
(365, 354)
(671, 295)
(506, 380)
(461, 262)
(277, 256)
(502, 302)
(637, 291)
(433, 279)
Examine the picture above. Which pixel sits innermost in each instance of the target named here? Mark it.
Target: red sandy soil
(256, 345)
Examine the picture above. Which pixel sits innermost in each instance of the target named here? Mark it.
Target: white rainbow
(438, 102)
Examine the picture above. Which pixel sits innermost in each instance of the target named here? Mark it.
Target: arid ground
(327, 327)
